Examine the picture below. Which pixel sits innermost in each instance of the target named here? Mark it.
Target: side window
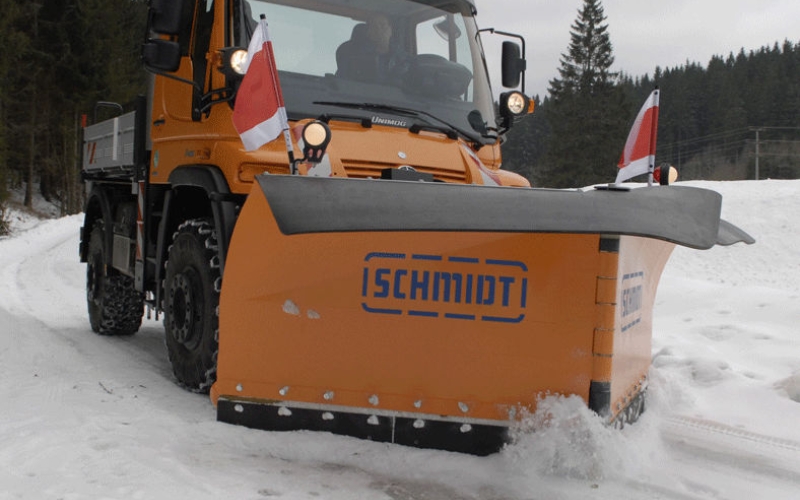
(205, 22)
(202, 38)
(185, 36)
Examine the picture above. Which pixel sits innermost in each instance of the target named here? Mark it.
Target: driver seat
(355, 58)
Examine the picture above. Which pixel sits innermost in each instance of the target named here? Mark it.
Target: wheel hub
(184, 311)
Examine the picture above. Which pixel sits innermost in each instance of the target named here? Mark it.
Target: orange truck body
(430, 313)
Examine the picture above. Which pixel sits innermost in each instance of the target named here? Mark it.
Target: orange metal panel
(641, 262)
(343, 315)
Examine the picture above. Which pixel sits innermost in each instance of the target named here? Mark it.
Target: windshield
(416, 55)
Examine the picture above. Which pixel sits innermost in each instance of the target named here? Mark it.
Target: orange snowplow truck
(392, 282)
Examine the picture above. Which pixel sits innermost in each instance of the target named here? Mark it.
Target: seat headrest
(359, 33)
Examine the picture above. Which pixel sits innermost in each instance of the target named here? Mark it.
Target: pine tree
(60, 57)
(586, 68)
(8, 33)
(588, 112)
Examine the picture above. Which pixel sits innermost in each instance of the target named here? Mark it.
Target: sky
(644, 34)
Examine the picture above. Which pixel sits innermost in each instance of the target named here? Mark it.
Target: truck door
(179, 100)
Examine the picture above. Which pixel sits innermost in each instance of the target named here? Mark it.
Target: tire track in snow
(720, 428)
(34, 249)
(712, 460)
(746, 451)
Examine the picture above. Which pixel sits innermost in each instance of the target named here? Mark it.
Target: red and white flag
(639, 155)
(259, 114)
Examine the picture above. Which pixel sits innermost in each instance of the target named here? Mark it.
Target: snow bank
(88, 417)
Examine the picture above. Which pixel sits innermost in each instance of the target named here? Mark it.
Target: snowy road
(89, 417)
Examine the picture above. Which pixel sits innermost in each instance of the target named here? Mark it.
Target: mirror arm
(173, 77)
(511, 35)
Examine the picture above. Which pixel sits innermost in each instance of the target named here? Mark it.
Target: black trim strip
(609, 244)
(600, 398)
(477, 439)
(313, 205)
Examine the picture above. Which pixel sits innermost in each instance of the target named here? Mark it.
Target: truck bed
(108, 146)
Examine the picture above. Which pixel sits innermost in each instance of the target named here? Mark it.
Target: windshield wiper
(443, 126)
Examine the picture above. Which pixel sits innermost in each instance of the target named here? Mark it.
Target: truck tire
(191, 298)
(115, 307)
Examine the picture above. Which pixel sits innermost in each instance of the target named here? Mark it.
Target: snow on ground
(89, 417)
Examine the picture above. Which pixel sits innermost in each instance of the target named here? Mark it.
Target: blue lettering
(441, 278)
(631, 300)
(506, 282)
(450, 287)
(420, 285)
(382, 283)
(398, 283)
(457, 281)
(524, 302)
(486, 299)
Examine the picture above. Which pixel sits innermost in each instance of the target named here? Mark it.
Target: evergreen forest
(60, 57)
(737, 117)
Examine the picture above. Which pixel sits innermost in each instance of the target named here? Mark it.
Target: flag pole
(287, 135)
(653, 136)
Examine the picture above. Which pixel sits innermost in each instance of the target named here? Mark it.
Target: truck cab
(401, 83)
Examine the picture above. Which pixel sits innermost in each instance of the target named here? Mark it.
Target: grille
(364, 170)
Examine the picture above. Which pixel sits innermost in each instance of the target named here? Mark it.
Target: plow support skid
(435, 315)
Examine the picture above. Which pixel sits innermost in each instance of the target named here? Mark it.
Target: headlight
(513, 106)
(517, 103)
(316, 136)
(232, 61)
(316, 133)
(238, 60)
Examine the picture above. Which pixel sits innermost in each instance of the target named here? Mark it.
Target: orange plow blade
(435, 315)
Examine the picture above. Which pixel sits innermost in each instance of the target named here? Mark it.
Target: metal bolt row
(374, 400)
(371, 420)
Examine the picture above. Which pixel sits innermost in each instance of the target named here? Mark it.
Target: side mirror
(166, 16)
(161, 55)
(512, 64)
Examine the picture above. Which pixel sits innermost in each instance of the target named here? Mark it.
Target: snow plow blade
(435, 315)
